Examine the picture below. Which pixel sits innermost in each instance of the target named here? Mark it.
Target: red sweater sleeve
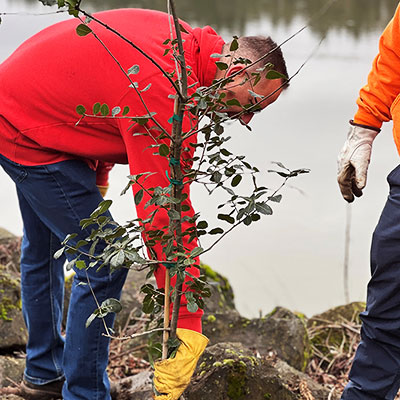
(383, 84)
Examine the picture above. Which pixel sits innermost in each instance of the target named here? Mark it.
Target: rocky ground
(281, 356)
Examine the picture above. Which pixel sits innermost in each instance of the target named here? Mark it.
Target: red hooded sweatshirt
(51, 73)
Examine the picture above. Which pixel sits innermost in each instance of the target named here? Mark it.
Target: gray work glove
(354, 159)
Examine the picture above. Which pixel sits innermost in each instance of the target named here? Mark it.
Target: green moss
(253, 360)
(237, 380)
(246, 323)
(7, 303)
(217, 364)
(211, 318)
(272, 312)
(209, 272)
(267, 396)
(6, 306)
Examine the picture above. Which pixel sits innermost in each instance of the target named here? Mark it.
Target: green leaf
(115, 111)
(61, 3)
(236, 180)
(216, 231)
(138, 196)
(106, 307)
(202, 225)
(118, 260)
(146, 88)
(247, 221)
(174, 215)
(80, 109)
(110, 305)
(221, 65)
(216, 55)
(233, 102)
(276, 198)
(234, 45)
(196, 252)
(96, 108)
(58, 253)
(192, 307)
(83, 30)
(185, 207)
(80, 264)
(104, 110)
(69, 237)
(148, 305)
(102, 208)
(256, 95)
(163, 150)
(279, 164)
(264, 208)
(181, 27)
(272, 74)
(134, 70)
(90, 319)
(70, 264)
(81, 243)
(226, 218)
(126, 110)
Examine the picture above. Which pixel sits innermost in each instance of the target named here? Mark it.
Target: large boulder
(13, 332)
(229, 371)
(10, 250)
(281, 331)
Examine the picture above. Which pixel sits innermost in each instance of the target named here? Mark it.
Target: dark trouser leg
(376, 368)
(42, 292)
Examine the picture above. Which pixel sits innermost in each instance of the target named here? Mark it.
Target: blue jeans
(53, 199)
(375, 373)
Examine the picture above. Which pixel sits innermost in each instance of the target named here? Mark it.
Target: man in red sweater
(53, 162)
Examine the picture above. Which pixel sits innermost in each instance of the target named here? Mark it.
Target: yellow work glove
(172, 376)
(102, 190)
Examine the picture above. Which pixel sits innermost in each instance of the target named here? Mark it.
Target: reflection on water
(354, 16)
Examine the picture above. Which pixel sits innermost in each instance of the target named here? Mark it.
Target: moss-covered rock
(222, 297)
(281, 331)
(13, 333)
(228, 371)
(327, 330)
(10, 250)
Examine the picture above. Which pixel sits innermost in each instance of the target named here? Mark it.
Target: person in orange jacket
(375, 373)
(54, 161)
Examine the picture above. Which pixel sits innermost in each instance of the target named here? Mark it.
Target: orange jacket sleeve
(383, 86)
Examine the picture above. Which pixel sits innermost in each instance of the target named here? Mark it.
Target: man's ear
(235, 69)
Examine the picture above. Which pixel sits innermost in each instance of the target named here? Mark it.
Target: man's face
(239, 90)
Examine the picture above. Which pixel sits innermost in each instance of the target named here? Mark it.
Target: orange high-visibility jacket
(380, 97)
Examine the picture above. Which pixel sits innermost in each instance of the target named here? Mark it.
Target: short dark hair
(258, 46)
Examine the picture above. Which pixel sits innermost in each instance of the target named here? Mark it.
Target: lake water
(295, 257)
